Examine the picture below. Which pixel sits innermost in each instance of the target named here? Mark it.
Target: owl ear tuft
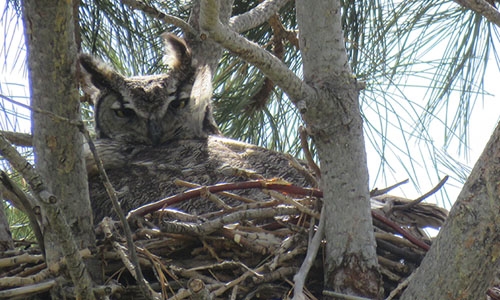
(98, 74)
(177, 53)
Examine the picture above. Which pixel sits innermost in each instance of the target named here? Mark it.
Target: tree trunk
(334, 121)
(58, 144)
(463, 260)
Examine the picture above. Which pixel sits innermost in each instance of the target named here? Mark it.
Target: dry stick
(483, 8)
(376, 192)
(401, 231)
(312, 251)
(305, 148)
(267, 184)
(400, 287)
(188, 184)
(26, 290)
(423, 197)
(143, 284)
(262, 184)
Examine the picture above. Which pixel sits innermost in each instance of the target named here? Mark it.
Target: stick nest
(250, 251)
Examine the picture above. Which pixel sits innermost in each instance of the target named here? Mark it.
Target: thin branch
(423, 197)
(261, 184)
(216, 224)
(312, 251)
(256, 16)
(305, 148)
(483, 8)
(376, 192)
(156, 14)
(401, 231)
(143, 284)
(41, 111)
(271, 66)
(18, 138)
(25, 203)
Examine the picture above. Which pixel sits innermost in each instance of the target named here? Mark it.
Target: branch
(156, 14)
(24, 203)
(271, 66)
(401, 231)
(262, 184)
(257, 16)
(483, 8)
(18, 138)
(423, 197)
(376, 192)
(312, 251)
(143, 284)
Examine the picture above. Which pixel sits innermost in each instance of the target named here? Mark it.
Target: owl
(149, 110)
(150, 132)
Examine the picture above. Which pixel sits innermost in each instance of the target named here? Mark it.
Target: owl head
(149, 110)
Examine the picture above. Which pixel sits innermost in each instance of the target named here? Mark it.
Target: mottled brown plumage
(151, 132)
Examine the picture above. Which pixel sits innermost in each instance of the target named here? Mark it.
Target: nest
(249, 251)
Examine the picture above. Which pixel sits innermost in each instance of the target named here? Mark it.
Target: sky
(486, 114)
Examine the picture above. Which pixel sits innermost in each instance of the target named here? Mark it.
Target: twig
(376, 192)
(28, 290)
(262, 184)
(312, 251)
(423, 197)
(305, 148)
(156, 14)
(25, 203)
(46, 112)
(400, 287)
(287, 200)
(143, 285)
(213, 225)
(400, 230)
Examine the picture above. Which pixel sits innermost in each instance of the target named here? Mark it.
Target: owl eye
(177, 103)
(124, 112)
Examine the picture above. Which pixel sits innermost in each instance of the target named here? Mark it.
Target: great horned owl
(151, 132)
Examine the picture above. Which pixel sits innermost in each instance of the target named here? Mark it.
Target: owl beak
(155, 132)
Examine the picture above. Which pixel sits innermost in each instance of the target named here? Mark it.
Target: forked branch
(271, 66)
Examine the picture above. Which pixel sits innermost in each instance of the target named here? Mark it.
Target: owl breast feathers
(150, 131)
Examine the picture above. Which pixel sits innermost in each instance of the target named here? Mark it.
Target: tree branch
(483, 8)
(156, 14)
(312, 251)
(257, 16)
(271, 66)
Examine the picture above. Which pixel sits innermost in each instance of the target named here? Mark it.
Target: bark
(58, 144)
(463, 260)
(333, 119)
